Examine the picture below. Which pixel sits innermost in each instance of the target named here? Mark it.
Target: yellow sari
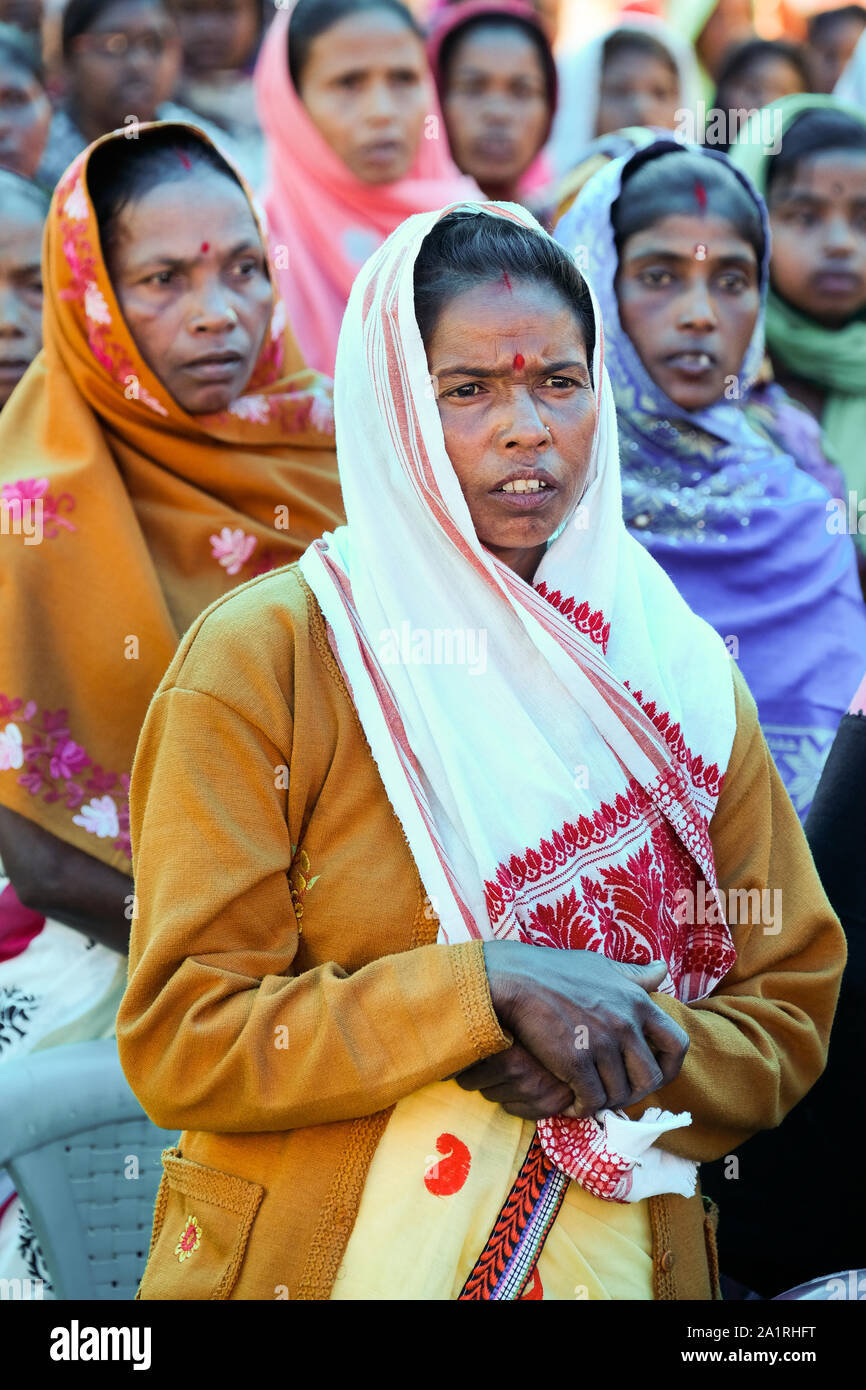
(441, 1173)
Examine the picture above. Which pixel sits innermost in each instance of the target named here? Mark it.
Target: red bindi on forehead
(519, 362)
(205, 247)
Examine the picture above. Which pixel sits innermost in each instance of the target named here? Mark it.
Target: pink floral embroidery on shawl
(270, 364)
(55, 766)
(255, 408)
(83, 263)
(33, 491)
(232, 548)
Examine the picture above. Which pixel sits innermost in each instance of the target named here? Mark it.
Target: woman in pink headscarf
(496, 77)
(356, 143)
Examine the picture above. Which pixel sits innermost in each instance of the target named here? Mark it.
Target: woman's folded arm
(60, 881)
(760, 1040)
(215, 1032)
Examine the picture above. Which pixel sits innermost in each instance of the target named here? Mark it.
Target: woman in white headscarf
(418, 960)
(639, 73)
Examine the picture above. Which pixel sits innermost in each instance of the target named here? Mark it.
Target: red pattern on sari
(592, 624)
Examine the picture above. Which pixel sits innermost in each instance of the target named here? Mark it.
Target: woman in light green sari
(815, 187)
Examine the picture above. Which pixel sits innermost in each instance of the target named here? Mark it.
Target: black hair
(632, 41)
(819, 24)
(661, 182)
(19, 51)
(820, 131)
(79, 17)
(466, 249)
(310, 18)
(499, 19)
(121, 171)
(745, 56)
(12, 184)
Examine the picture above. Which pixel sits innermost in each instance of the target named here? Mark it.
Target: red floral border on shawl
(702, 778)
(591, 624)
(568, 895)
(627, 911)
(54, 765)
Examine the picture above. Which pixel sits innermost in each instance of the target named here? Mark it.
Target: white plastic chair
(85, 1160)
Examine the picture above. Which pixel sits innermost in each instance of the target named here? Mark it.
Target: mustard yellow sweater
(286, 989)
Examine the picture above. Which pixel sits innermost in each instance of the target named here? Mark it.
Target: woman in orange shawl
(165, 446)
(124, 513)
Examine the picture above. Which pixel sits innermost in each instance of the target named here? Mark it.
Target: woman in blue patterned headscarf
(675, 243)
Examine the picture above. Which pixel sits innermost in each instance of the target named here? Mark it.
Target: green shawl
(834, 358)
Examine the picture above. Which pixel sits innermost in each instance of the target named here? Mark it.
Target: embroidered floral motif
(701, 777)
(33, 490)
(563, 846)
(75, 207)
(84, 264)
(55, 766)
(68, 759)
(627, 913)
(255, 408)
(298, 880)
(560, 895)
(95, 306)
(322, 414)
(592, 624)
(11, 752)
(278, 320)
(99, 817)
(232, 548)
(150, 401)
(190, 1239)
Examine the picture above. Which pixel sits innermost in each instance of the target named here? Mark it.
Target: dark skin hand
(60, 881)
(541, 996)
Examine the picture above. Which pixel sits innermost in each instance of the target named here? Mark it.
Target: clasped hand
(587, 1035)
